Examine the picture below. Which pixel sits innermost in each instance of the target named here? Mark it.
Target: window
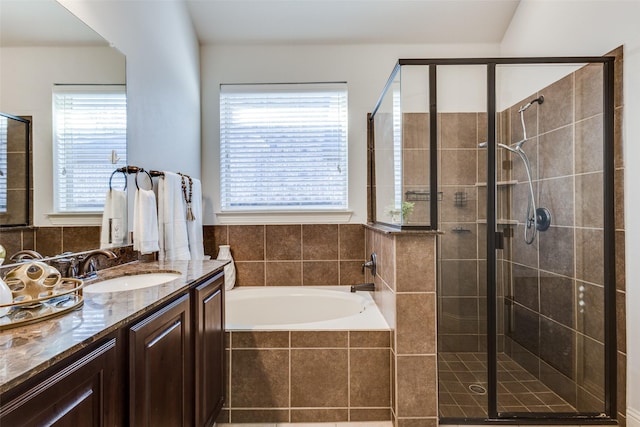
(90, 142)
(283, 147)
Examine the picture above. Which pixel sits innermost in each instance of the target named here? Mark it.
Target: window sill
(283, 217)
(76, 218)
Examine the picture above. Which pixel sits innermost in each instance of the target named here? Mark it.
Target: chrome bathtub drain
(477, 389)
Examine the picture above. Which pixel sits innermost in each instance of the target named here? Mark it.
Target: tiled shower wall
(462, 247)
(557, 330)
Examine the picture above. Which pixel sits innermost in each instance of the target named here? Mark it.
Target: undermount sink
(130, 283)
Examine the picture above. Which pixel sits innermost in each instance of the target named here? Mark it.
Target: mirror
(14, 170)
(42, 45)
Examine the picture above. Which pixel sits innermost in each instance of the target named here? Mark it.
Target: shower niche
(512, 160)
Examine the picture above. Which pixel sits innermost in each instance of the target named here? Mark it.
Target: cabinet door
(209, 350)
(160, 375)
(82, 393)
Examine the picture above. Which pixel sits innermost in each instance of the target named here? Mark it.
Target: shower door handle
(499, 240)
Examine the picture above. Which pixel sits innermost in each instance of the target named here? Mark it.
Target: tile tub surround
(307, 376)
(292, 255)
(406, 295)
(28, 350)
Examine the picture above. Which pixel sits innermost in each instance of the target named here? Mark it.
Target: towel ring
(123, 174)
(148, 174)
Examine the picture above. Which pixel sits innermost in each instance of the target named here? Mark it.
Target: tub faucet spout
(363, 287)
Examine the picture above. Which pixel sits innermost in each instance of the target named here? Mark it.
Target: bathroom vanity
(151, 356)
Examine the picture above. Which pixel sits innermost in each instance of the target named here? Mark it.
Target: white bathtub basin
(130, 283)
(300, 308)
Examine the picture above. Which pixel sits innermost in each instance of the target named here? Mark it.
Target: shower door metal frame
(492, 245)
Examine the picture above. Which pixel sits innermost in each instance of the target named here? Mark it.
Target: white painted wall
(163, 78)
(365, 68)
(27, 76)
(565, 27)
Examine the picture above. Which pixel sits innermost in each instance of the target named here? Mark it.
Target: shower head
(539, 100)
(482, 145)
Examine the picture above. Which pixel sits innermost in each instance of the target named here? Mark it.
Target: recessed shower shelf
(499, 183)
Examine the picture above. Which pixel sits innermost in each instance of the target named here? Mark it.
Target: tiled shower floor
(518, 390)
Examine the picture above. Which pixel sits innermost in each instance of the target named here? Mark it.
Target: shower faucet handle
(371, 264)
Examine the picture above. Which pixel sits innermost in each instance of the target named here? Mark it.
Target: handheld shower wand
(537, 218)
(521, 111)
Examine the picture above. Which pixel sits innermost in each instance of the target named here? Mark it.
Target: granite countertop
(28, 350)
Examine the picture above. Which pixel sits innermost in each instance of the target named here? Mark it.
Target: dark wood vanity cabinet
(166, 368)
(160, 369)
(208, 308)
(83, 392)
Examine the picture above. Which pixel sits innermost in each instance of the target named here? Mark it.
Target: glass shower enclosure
(512, 159)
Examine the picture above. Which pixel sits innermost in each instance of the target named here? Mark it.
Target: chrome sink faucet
(87, 264)
(25, 255)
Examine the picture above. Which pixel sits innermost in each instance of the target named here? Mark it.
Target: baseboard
(633, 417)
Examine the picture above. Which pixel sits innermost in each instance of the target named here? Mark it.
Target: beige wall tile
(250, 273)
(417, 386)
(260, 416)
(557, 109)
(415, 130)
(369, 377)
(319, 415)
(415, 264)
(369, 339)
(259, 379)
(320, 273)
(283, 242)
(78, 239)
(351, 242)
(320, 242)
(588, 91)
(351, 273)
(247, 242)
(319, 378)
(319, 339)
(260, 339)
(459, 130)
(369, 414)
(416, 323)
(284, 273)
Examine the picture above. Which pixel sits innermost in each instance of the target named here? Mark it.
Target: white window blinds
(89, 131)
(283, 147)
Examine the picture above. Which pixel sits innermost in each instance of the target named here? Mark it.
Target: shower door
(550, 223)
(526, 286)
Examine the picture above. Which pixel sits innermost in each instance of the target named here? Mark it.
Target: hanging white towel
(194, 228)
(172, 222)
(114, 220)
(145, 222)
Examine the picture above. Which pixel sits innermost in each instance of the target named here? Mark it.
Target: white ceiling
(351, 21)
(45, 22)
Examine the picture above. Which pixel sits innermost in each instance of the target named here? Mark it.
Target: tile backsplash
(292, 255)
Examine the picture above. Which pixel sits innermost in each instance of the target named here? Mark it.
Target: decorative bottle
(6, 297)
(230, 269)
